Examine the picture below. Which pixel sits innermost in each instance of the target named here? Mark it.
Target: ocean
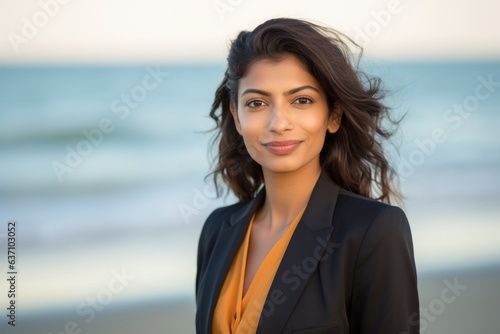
(103, 168)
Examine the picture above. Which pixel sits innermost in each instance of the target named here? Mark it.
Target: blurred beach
(103, 168)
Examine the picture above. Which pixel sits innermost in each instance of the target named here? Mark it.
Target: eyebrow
(290, 92)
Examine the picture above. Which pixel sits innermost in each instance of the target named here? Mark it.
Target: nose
(279, 121)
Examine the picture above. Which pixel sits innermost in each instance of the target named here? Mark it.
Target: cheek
(250, 126)
(315, 125)
(251, 131)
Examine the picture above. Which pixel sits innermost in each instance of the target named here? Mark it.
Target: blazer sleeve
(384, 295)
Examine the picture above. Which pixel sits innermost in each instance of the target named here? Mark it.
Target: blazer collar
(319, 211)
(246, 212)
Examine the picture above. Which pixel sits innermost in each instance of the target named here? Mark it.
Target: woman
(310, 247)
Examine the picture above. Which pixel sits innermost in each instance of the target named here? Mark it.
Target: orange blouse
(238, 314)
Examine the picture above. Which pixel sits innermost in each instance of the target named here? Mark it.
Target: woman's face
(282, 114)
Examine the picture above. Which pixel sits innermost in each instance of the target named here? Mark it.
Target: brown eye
(255, 104)
(303, 100)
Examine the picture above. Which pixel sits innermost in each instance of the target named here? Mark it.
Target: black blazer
(349, 267)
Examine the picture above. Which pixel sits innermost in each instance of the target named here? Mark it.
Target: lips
(282, 147)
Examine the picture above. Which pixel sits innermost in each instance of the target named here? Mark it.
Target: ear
(334, 119)
(234, 112)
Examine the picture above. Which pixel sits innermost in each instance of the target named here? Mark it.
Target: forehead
(284, 74)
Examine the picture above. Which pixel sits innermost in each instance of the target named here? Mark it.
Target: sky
(194, 31)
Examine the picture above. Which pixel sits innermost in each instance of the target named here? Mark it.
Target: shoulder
(368, 206)
(220, 215)
(359, 215)
(216, 220)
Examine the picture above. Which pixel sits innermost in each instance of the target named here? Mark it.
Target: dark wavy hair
(353, 156)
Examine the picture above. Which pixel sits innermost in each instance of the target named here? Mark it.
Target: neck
(287, 194)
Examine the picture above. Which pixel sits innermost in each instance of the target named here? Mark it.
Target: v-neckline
(242, 293)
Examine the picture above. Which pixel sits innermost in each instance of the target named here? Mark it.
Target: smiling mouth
(282, 147)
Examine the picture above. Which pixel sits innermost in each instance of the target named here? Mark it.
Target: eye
(303, 100)
(255, 104)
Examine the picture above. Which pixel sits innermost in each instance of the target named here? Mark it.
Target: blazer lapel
(306, 247)
(228, 242)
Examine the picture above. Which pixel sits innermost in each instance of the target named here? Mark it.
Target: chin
(286, 164)
(284, 167)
